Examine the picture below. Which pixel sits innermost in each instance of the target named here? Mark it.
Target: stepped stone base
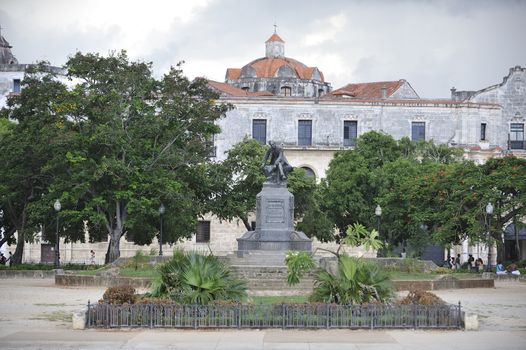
(274, 223)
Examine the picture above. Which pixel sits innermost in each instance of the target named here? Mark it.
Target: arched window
(286, 91)
(245, 88)
(309, 171)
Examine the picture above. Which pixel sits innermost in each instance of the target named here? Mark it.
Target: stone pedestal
(274, 222)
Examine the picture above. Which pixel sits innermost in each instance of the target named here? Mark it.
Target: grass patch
(56, 316)
(265, 299)
(140, 272)
(88, 272)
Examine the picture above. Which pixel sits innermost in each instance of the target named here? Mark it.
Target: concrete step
(257, 258)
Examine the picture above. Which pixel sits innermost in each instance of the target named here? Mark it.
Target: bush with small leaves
(120, 294)
(421, 297)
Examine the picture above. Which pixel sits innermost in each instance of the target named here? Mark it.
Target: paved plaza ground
(36, 314)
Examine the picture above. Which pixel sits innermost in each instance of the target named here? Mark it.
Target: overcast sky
(432, 44)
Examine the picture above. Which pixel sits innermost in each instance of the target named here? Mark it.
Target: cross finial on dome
(275, 27)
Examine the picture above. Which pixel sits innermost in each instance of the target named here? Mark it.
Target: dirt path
(502, 308)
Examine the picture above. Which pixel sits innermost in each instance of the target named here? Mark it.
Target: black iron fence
(274, 316)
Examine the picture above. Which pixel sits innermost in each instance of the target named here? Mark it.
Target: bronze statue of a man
(278, 168)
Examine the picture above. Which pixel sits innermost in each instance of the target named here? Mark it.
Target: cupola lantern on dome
(274, 47)
(278, 75)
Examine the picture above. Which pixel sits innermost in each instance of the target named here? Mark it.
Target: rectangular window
(304, 132)
(203, 232)
(483, 132)
(211, 147)
(259, 130)
(418, 131)
(517, 136)
(16, 85)
(350, 131)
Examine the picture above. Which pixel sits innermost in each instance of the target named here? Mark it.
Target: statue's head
(272, 144)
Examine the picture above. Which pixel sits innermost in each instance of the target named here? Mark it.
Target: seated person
(500, 269)
(513, 269)
(479, 265)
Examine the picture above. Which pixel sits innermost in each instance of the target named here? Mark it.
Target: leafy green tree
(238, 180)
(26, 147)
(137, 142)
(192, 278)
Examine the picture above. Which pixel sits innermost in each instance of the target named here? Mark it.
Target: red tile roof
(233, 73)
(274, 37)
(368, 90)
(226, 88)
(267, 67)
(234, 91)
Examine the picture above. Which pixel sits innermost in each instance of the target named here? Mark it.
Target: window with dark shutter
(259, 130)
(350, 132)
(203, 232)
(304, 132)
(418, 131)
(483, 132)
(517, 136)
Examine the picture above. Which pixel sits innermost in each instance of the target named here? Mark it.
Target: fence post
(238, 315)
(194, 309)
(371, 311)
(327, 315)
(88, 319)
(282, 315)
(107, 314)
(414, 315)
(150, 307)
(459, 318)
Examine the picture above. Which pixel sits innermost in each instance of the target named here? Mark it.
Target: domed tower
(277, 74)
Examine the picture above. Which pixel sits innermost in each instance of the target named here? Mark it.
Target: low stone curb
(101, 281)
(27, 273)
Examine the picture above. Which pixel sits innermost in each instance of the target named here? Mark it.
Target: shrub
(356, 282)
(138, 260)
(120, 294)
(443, 270)
(298, 263)
(421, 297)
(193, 278)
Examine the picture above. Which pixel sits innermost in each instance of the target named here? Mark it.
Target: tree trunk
(17, 257)
(246, 223)
(114, 251)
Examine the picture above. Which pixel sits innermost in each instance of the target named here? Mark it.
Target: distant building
(12, 73)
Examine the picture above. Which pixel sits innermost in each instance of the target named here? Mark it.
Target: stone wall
(80, 280)
(445, 123)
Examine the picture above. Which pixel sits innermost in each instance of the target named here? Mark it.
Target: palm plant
(356, 282)
(193, 278)
(353, 281)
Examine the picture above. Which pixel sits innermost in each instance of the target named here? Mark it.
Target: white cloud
(325, 30)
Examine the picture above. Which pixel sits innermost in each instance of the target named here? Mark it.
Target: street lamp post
(162, 209)
(57, 207)
(489, 212)
(378, 213)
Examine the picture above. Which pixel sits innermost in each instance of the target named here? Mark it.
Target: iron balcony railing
(283, 316)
